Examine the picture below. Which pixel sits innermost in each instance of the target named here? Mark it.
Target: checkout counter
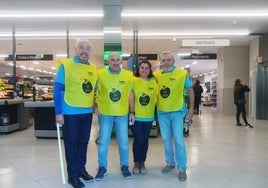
(44, 118)
(14, 116)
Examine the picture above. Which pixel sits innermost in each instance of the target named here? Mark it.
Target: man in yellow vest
(171, 110)
(115, 103)
(73, 100)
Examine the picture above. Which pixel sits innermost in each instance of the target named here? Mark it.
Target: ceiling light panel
(50, 15)
(197, 14)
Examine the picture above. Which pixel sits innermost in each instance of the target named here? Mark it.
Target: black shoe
(86, 176)
(249, 125)
(75, 182)
(125, 172)
(101, 172)
(239, 124)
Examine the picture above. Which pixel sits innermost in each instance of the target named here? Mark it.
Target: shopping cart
(186, 129)
(186, 122)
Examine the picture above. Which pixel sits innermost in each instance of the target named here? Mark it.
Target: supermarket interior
(216, 42)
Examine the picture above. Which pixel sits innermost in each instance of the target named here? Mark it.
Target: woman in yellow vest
(145, 92)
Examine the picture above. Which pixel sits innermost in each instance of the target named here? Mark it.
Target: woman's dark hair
(145, 61)
(237, 85)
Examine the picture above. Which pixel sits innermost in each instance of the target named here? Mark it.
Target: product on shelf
(6, 90)
(47, 96)
(213, 91)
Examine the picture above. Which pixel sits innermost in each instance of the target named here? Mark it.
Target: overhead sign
(31, 57)
(199, 56)
(144, 56)
(206, 42)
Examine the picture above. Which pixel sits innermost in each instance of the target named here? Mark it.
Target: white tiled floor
(220, 154)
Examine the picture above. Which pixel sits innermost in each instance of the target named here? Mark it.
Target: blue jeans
(106, 124)
(76, 133)
(171, 127)
(141, 132)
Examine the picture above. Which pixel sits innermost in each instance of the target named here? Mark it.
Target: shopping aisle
(220, 154)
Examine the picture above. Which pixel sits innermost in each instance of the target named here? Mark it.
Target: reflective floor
(220, 154)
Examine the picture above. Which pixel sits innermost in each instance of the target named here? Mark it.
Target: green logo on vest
(144, 99)
(165, 92)
(115, 95)
(87, 86)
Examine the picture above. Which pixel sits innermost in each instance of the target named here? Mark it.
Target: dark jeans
(141, 132)
(197, 101)
(241, 109)
(76, 133)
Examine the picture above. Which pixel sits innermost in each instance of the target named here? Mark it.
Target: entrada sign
(206, 42)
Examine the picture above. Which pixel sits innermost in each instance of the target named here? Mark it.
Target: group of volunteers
(121, 100)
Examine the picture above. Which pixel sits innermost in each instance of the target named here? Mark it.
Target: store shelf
(213, 91)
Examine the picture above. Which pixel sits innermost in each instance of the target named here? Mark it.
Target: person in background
(198, 90)
(171, 110)
(73, 100)
(41, 92)
(115, 108)
(239, 90)
(145, 92)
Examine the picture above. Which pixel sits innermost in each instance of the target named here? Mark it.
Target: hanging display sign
(31, 57)
(199, 56)
(206, 42)
(148, 56)
(144, 56)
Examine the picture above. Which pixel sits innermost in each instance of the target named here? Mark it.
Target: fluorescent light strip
(112, 31)
(184, 54)
(51, 15)
(141, 14)
(194, 34)
(126, 55)
(85, 34)
(242, 33)
(48, 34)
(196, 14)
(61, 55)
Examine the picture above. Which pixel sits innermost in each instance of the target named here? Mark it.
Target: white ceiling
(146, 44)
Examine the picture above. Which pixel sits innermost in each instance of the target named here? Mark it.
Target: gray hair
(167, 53)
(79, 40)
